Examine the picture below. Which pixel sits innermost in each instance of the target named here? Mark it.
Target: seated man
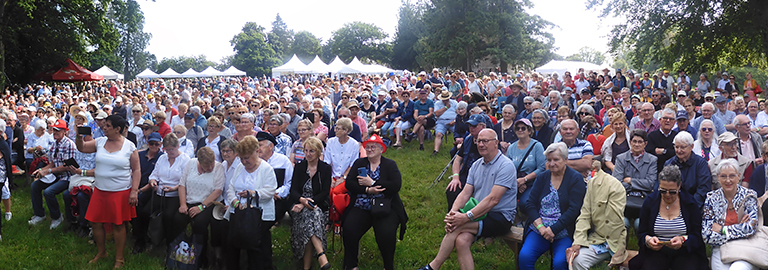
(445, 111)
(600, 233)
(492, 181)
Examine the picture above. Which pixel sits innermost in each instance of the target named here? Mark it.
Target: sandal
(325, 266)
(119, 263)
(96, 259)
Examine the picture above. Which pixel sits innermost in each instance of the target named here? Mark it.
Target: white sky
(194, 27)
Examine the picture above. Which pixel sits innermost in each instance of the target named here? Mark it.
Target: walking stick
(439, 177)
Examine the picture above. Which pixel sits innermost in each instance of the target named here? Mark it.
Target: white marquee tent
(233, 71)
(292, 66)
(317, 66)
(169, 73)
(210, 72)
(108, 73)
(147, 74)
(562, 66)
(190, 73)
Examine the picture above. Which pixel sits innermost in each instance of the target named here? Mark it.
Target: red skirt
(110, 207)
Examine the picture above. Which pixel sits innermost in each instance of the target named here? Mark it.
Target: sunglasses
(527, 103)
(707, 129)
(154, 143)
(137, 111)
(584, 113)
(670, 192)
(521, 128)
(144, 128)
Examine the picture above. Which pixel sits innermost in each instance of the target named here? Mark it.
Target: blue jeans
(388, 129)
(82, 204)
(535, 245)
(49, 191)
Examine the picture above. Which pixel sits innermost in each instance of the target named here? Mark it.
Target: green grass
(37, 247)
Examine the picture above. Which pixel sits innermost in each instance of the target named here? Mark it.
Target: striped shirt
(579, 149)
(667, 229)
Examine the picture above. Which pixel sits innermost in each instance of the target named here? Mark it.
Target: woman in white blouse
(199, 186)
(254, 177)
(220, 228)
(341, 151)
(165, 180)
(213, 139)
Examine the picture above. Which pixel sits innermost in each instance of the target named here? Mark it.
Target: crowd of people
(576, 162)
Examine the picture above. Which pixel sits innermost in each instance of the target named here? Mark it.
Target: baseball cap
(682, 93)
(60, 125)
(476, 119)
(524, 121)
(584, 91)
(681, 114)
(726, 137)
(189, 115)
(720, 99)
(154, 137)
(101, 115)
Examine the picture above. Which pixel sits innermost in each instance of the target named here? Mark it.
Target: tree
(39, 35)
(410, 28)
(252, 52)
(129, 21)
(587, 54)
(690, 34)
(183, 63)
(280, 38)
(305, 46)
(366, 41)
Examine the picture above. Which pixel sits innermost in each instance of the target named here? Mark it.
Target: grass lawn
(37, 247)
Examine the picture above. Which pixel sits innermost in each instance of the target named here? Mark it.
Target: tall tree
(39, 35)
(133, 40)
(410, 28)
(588, 54)
(364, 40)
(305, 46)
(690, 34)
(280, 38)
(252, 52)
(183, 63)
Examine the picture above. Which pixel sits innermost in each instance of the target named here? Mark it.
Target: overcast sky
(194, 27)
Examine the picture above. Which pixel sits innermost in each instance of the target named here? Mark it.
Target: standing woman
(382, 182)
(253, 178)
(341, 151)
(220, 228)
(310, 188)
(116, 186)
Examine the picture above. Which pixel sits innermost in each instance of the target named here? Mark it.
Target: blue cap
(391, 74)
(476, 119)
(719, 99)
(189, 115)
(154, 137)
(681, 114)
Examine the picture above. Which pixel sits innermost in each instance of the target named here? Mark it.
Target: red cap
(60, 124)
(376, 139)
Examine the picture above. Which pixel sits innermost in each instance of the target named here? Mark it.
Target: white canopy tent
(210, 72)
(292, 66)
(169, 73)
(190, 73)
(357, 65)
(147, 74)
(109, 74)
(562, 66)
(233, 71)
(317, 66)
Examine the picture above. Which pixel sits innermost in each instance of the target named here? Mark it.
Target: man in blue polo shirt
(424, 112)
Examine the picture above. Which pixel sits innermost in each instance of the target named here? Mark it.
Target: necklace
(667, 206)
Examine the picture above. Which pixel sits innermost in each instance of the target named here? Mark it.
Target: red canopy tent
(75, 73)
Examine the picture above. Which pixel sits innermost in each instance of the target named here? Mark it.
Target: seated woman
(618, 142)
(542, 132)
(165, 181)
(706, 143)
(636, 169)
(310, 188)
(721, 222)
(670, 228)
(254, 177)
(318, 127)
(552, 208)
(304, 130)
(213, 140)
(200, 185)
(382, 180)
(79, 182)
(220, 228)
(528, 156)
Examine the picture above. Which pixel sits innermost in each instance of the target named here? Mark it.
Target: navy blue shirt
(147, 165)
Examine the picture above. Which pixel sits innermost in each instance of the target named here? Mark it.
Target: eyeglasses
(154, 143)
(521, 128)
(668, 118)
(584, 113)
(344, 98)
(483, 141)
(227, 151)
(302, 129)
(654, 95)
(527, 103)
(670, 192)
(343, 115)
(707, 129)
(729, 176)
(637, 141)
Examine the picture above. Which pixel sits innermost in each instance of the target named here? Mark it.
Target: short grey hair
(249, 116)
(738, 98)
(684, 138)
(462, 105)
(559, 147)
(708, 104)
(668, 111)
(276, 118)
(671, 173)
(589, 109)
(510, 107)
(752, 102)
(195, 110)
(528, 99)
(727, 163)
(40, 124)
(543, 114)
(557, 94)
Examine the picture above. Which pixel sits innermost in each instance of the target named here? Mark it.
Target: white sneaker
(8, 216)
(35, 220)
(55, 223)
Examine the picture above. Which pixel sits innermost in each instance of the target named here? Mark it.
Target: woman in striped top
(670, 228)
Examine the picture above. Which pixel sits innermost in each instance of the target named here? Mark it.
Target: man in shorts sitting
(445, 111)
(492, 182)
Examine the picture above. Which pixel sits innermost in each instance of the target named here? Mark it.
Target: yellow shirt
(603, 213)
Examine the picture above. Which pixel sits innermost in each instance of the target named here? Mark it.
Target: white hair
(195, 110)
(683, 138)
(708, 104)
(727, 163)
(559, 147)
(555, 93)
(40, 124)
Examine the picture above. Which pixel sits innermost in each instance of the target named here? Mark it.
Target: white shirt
(33, 141)
(169, 175)
(341, 156)
(177, 120)
(113, 170)
(200, 186)
(187, 147)
(262, 180)
(492, 85)
(280, 161)
(389, 84)
(762, 120)
(228, 174)
(474, 87)
(214, 145)
(580, 85)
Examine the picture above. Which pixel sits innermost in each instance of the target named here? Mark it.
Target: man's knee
(464, 240)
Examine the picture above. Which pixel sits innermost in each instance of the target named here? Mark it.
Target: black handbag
(633, 205)
(381, 207)
(155, 230)
(245, 226)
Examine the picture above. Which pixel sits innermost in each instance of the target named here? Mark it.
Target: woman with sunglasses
(669, 235)
(721, 221)
(528, 156)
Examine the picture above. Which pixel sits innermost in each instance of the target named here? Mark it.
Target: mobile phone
(362, 171)
(71, 162)
(84, 130)
(310, 203)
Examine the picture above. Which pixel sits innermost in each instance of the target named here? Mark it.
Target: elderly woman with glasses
(552, 207)
(341, 151)
(670, 228)
(705, 145)
(542, 132)
(213, 140)
(504, 129)
(528, 156)
(304, 129)
(721, 221)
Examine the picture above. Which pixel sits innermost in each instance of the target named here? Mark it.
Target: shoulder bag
(155, 230)
(245, 226)
(750, 249)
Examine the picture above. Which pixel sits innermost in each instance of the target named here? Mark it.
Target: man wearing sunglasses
(694, 170)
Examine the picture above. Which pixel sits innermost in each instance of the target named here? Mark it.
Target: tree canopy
(693, 35)
(253, 54)
(183, 63)
(364, 40)
(587, 54)
(305, 46)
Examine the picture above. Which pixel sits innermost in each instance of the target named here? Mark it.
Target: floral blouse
(715, 207)
(550, 212)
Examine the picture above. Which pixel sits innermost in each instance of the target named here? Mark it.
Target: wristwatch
(664, 152)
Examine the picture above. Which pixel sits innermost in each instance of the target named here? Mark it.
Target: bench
(514, 240)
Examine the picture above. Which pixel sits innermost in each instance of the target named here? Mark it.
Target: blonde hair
(214, 120)
(345, 123)
(171, 140)
(205, 155)
(313, 143)
(247, 146)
